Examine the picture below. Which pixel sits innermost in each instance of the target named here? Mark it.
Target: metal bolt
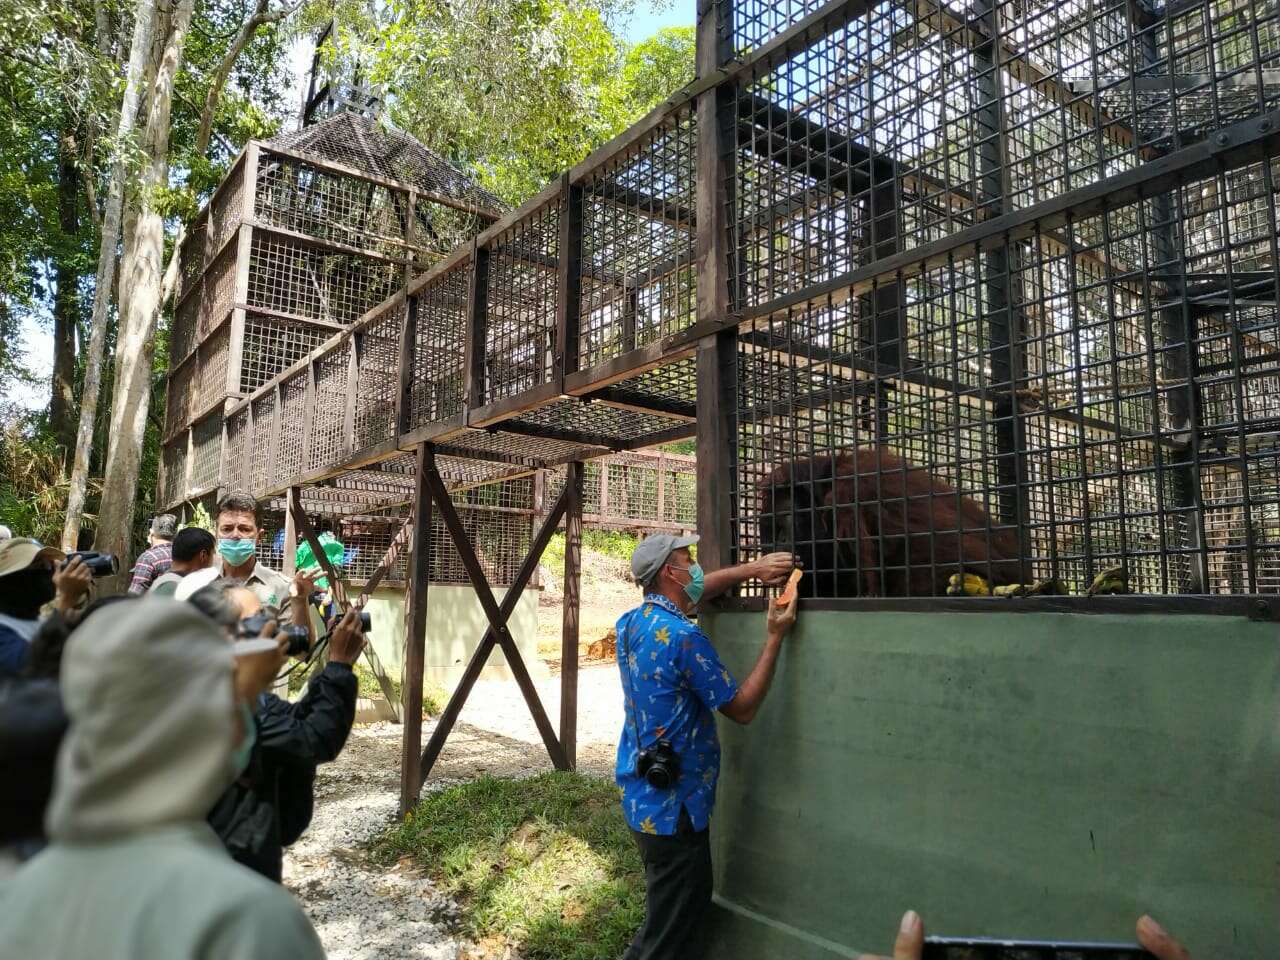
(1264, 126)
(1262, 607)
(1222, 139)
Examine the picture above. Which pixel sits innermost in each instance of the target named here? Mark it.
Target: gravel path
(362, 913)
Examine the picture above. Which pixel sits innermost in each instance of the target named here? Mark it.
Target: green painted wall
(455, 624)
(1028, 775)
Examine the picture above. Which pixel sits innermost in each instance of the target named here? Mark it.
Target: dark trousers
(677, 881)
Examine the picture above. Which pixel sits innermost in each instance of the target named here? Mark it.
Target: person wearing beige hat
(31, 576)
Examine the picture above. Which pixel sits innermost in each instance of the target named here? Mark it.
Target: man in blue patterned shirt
(672, 681)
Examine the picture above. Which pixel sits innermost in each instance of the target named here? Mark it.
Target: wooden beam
(337, 586)
(716, 353)
(568, 283)
(493, 612)
(570, 615)
(415, 639)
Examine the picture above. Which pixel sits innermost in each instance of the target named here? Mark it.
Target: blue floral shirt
(672, 682)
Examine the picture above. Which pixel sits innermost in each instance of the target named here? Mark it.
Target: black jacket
(32, 723)
(270, 806)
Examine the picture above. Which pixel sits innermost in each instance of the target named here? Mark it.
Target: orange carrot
(789, 592)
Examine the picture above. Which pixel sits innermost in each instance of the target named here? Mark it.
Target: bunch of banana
(1110, 580)
(1041, 588)
(967, 585)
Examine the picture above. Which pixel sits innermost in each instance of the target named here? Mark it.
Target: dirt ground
(607, 593)
(365, 913)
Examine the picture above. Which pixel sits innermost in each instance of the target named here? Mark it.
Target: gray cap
(652, 552)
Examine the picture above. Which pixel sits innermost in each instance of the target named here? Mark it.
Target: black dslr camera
(659, 765)
(299, 640)
(99, 564)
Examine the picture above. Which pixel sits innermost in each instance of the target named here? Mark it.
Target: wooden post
(535, 521)
(717, 354)
(569, 281)
(569, 632)
(416, 591)
(408, 347)
(290, 565)
(355, 354)
(473, 385)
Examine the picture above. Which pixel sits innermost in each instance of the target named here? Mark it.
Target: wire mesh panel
(262, 452)
(327, 440)
(378, 382)
(308, 282)
(288, 458)
(520, 312)
(178, 397)
(439, 350)
(211, 382)
(218, 293)
(182, 331)
(272, 345)
(637, 244)
(174, 458)
(191, 260)
(226, 211)
(330, 206)
(206, 453)
(1095, 391)
(365, 146)
(236, 464)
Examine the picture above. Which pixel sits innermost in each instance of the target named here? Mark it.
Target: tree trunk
(66, 304)
(135, 343)
(144, 23)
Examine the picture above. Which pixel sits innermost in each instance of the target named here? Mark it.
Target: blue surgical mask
(693, 589)
(243, 753)
(235, 552)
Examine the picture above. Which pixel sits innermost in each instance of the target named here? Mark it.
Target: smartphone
(978, 948)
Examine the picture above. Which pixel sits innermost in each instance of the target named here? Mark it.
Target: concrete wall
(455, 624)
(1023, 775)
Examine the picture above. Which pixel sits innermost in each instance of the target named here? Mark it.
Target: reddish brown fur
(905, 516)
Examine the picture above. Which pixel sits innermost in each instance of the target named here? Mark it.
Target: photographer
(158, 556)
(270, 805)
(238, 529)
(30, 577)
(669, 756)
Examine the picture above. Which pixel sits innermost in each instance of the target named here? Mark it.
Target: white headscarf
(148, 690)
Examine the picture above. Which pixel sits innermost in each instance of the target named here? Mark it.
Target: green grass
(546, 864)
(434, 696)
(611, 543)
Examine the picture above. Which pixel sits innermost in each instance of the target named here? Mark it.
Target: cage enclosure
(1002, 277)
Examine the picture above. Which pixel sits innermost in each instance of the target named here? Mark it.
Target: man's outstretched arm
(771, 570)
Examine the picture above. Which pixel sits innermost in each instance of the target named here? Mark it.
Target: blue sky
(645, 22)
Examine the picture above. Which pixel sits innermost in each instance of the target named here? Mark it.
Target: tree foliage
(512, 91)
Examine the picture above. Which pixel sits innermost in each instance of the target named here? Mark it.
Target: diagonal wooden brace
(497, 632)
(339, 589)
(398, 543)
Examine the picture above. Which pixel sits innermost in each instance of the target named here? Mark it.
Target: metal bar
(569, 628)
(417, 590)
(1234, 145)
